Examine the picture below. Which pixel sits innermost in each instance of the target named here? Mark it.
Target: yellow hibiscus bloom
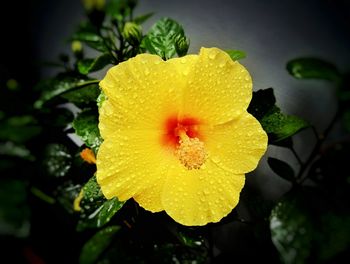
(177, 136)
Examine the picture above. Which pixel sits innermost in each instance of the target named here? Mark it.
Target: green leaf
(14, 150)
(262, 102)
(161, 38)
(291, 231)
(306, 227)
(282, 169)
(96, 245)
(84, 96)
(96, 210)
(313, 68)
(88, 34)
(280, 126)
(58, 86)
(236, 54)
(86, 127)
(58, 160)
(86, 66)
(19, 129)
(141, 19)
(14, 210)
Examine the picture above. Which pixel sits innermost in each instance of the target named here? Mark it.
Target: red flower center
(174, 126)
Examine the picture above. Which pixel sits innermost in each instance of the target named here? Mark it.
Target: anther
(191, 152)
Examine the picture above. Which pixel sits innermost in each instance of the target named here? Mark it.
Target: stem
(320, 139)
(109, 48)
(297, 156)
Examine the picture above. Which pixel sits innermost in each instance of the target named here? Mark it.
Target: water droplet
(212, 54)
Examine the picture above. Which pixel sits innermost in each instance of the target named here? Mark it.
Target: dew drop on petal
(212, 54)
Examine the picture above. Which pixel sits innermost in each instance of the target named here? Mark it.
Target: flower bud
(77, 49)
(181, 45)
(132, 33)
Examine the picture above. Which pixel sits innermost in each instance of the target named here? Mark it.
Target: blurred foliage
(48, 191)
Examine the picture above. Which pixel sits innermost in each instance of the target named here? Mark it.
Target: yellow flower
(177, 136)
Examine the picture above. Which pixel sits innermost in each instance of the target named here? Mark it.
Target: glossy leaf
(307, 228)
(291, 231)
(86, 66)
(58, 86)
(83, 96)
(280, 126)
(161, 38)
(313, 68)
(262, 102)
(86, 127)
(236, 54)
(282, 169)
(96, 211)
(96, 245)
(58, 160)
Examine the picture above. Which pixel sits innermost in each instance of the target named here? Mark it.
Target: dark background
(271, 32)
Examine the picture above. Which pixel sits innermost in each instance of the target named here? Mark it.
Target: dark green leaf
(96, 245)
(14, 211)
(58, 86)
(86, 66)
(313, 68)
(19, 129)
(291, 231)
(141, 19)
(236, 54)
(58, 160)
(60, 117)
(11, 149)
(306, 227)
(83, 96)
(282, 169)
(280, 126)
(161, 38)
(96, 211)
(88, 34)
(86, 127)
(262, 102)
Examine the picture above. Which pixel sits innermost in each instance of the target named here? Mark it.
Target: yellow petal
(218, 89)
(237, 145)
(198, 197)
(150, 199)
(141, 93)
(129, 162)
